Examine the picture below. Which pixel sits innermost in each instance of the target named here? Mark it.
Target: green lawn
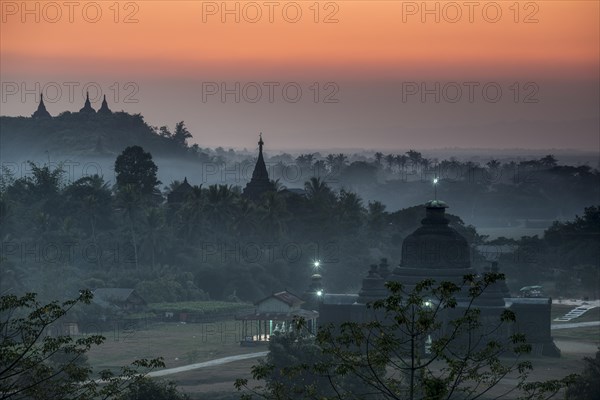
(178, 343)
(585, 335)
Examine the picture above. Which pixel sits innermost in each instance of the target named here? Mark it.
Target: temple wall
(533, 319)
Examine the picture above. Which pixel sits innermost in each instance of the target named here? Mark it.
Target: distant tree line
(214, 243)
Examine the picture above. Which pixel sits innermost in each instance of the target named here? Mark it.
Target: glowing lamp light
(319, 293)
(316, 264)
(435, 181)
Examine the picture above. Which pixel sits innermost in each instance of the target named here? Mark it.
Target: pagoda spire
(87, 107)
(260, 169)
(260, 183)
(41, 111)
(104, 108)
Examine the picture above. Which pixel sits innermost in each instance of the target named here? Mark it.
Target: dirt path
(574, 325)
(211, 363)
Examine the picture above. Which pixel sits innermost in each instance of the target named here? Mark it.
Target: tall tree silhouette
(136, 168)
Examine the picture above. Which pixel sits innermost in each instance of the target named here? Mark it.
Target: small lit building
(272, 315)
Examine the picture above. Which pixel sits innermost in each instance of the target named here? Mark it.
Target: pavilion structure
(274, 315)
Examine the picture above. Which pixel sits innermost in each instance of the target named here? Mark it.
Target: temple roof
(436, 204)
(87, 107)
(433, 251)
(278, 316)
(260, 183)
(179, 194)
(104, 108)
(286, 297)
(41, 111)
(260, 169)
(373, 287)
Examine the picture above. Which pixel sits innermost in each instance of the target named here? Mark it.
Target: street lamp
(428, 341)
(435, 182)
(319, 293)
(316, 264)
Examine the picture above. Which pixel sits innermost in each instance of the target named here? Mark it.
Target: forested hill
(77, 134)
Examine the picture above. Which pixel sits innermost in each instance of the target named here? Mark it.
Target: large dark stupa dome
(434, 251)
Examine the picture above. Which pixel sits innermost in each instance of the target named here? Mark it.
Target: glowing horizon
(175, 47)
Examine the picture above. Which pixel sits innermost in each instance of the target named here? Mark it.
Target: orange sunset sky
(369, 49)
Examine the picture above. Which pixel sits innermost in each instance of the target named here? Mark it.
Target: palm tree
(549, 161)
(350, 211)
(389, 159)
(401, 161)
(415, 158)
(320, 168)
(340, 161)
(317, 190)
(493, 164)
(305, 160)
(330, 161)
(172, 186)
(219, 206)
(244, 221)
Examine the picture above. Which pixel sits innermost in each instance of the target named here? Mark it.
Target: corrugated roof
(286, 297)
(332, 298)
(275, 316)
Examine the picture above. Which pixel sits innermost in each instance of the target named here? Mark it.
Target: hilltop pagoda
(41, 111)
(87, 107)
(104, 110)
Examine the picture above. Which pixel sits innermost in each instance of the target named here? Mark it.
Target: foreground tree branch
(423, 344)
(37, 365)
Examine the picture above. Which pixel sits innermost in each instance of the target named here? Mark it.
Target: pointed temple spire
(260, 183)
(41, 111)
(104, 108)
(260, 169)
(87, 108)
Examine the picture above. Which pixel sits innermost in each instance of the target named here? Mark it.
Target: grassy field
(178, 343)
(581, 335)
(181, 344)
